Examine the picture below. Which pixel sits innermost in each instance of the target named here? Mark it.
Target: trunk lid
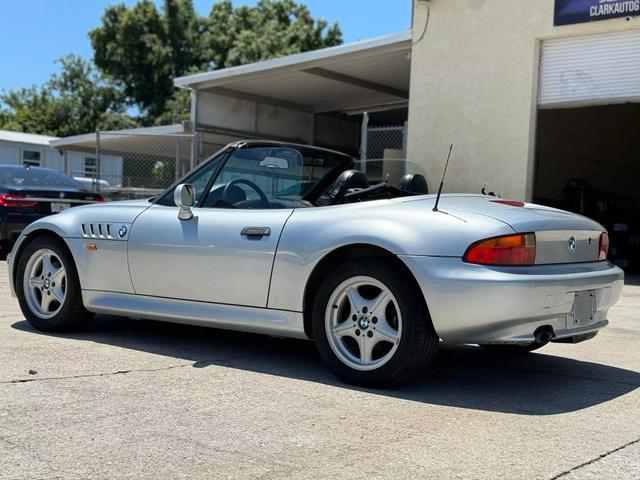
(561, 237)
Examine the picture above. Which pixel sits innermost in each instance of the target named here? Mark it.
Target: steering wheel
(264, 201)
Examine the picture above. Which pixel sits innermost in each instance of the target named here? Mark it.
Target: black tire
(506, 349)
(72, 314)
(418, 340)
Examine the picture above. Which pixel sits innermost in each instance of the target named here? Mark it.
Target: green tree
(272, 28)
(142, 49)
(77, 100)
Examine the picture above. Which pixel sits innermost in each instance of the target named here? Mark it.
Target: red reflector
(15, 200)
(604, 246)
(511, 203)
(100, 198)
(517, 249)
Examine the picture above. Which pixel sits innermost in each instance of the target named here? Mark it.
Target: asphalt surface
(132, 399)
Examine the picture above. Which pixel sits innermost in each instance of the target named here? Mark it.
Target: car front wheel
(371, 325)
(48, 288)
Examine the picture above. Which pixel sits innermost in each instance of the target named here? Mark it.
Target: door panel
(205, 258)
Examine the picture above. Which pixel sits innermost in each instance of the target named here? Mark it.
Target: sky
(34, 33)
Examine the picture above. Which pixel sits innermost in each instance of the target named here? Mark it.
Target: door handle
(256, 231)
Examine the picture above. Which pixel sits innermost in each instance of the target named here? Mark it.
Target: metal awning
(158, 141)
(369, 74)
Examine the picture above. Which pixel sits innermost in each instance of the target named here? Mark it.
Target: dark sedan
(30, 193)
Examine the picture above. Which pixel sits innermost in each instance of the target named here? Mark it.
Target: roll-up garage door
(591, 70)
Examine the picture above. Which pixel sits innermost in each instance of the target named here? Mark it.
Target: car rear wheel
(48, 288)
(508, 349)
(371, 325)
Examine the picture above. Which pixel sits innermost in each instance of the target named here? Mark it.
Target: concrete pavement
(133, 399)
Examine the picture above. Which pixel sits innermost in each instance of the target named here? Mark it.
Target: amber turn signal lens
(519, 249)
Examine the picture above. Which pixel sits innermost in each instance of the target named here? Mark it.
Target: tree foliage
(143, 49)
(139, 50)
(77, 100)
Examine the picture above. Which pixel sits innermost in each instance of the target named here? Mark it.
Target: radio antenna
(435, 207)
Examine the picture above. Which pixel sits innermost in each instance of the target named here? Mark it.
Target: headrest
(352, 179)
(415, 183)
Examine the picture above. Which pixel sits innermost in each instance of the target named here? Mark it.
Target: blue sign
(568, 12)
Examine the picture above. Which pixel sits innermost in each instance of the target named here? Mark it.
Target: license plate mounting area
(583, 309)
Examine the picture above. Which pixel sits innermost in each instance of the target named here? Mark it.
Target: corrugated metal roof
(153, 141)
(365, 73)
(88, 140)
(306, 59)
(20, 137)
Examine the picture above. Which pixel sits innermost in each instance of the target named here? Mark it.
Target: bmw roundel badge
(123, 231)
(572, 244)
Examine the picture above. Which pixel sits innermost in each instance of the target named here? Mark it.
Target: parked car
(93, 184)
(29, 193)
(376, 275)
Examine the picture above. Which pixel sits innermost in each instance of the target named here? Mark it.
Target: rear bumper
(478, 304)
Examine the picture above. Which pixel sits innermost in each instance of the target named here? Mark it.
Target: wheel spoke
(345, 329)
(35, 282)
(385, 332)
(45, 302)
(58, 275)
(380, 303)
(356, 300)
(47, 267)
(57, 293)
(366, 349)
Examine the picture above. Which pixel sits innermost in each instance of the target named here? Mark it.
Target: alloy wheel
(45, 283)
(363, 323)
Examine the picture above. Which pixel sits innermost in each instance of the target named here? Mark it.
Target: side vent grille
(96, 230)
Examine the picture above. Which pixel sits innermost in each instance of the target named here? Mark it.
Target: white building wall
(110, 165)
(9, 154)
(474, 81)
(51, 158)
(257, 120)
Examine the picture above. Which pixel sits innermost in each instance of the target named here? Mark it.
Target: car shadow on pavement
(461, 376)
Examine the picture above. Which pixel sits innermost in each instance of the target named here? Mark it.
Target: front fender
(104, 268)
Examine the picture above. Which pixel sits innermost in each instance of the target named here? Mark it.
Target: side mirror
(184, 197)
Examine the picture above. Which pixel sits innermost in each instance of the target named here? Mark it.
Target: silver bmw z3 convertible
(292, 241)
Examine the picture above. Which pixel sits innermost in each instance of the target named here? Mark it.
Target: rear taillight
(519, 249)
(100, 198)
(15, 200)
(604, 246)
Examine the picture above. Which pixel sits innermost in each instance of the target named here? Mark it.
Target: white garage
(587, 146)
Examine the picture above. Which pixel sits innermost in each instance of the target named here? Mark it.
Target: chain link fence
(384, 151)
(129, 165)
(387, 140)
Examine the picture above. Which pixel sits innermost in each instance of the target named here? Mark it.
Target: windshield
(22, 177)
(271, 177)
